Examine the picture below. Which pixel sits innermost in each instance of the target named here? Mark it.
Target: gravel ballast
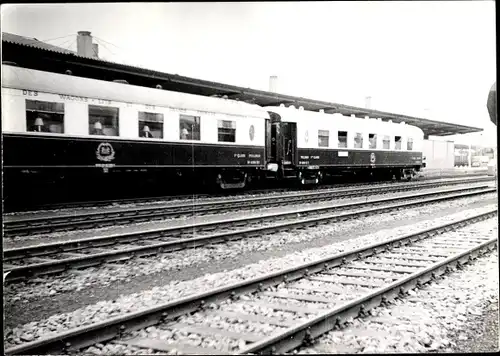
(441, 317)
(409, 322)
(92, 277)
(177, 200)
(37, 239)
(158, 295)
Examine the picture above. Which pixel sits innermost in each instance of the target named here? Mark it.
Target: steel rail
(306, 332)
(77, 338)
(95, 203)
(17, 273)
(15, 226)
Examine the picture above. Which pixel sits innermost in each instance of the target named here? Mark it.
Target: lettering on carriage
(254, 155)
(314, 157)
(75, 98)
(30, 93)
(105, 165)
(102, 101)
(253, 162)
(240, 155)
(303, 162)
(304, 157)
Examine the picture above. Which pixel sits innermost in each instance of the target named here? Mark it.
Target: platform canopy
(34, 54)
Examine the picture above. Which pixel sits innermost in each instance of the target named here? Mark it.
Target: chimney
(84, 44)
(368, 102)
(95, 50)
(273, 84)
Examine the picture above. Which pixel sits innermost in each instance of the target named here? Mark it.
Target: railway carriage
(315, 144)
(461, 155)
(65, 131)
(480, 155)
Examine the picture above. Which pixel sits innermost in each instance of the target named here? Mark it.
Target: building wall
(439, 154)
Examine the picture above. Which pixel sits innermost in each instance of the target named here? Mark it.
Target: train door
(273, 139)
(289, 137)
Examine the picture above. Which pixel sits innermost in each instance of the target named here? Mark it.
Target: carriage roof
(346, 122)
(29, 79)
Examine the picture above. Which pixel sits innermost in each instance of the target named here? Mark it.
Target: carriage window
(44, 116)
(150, 125)
(103, 120)
(342, 139)
(386, 143)
(226, 130)
(372, 138)
(189, 127)
(397, 140)
(323, 138)
(358, 140)
(409, 145)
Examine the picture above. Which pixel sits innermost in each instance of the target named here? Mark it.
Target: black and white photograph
(249, 178)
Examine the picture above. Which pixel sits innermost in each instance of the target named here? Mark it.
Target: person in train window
(146, 132)
(184, 134)
(98, 129)
(38, 127)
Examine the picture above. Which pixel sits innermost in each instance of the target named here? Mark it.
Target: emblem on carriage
(306, 136)
(105, 152)
(372, 158)
(251, 132)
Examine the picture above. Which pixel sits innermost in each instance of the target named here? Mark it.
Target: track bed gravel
(458, 313)
(111, 302)
(20, 241)
(182, 200)
(480, 333)
(188, 264)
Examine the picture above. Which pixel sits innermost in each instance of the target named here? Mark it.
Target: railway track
(46, 223)
(29, 261)
(199, 195)
(279, 312)
(225, 194)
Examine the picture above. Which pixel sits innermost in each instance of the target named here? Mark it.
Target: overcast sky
(427, 59)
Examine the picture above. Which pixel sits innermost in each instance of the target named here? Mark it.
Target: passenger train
(68, 134)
